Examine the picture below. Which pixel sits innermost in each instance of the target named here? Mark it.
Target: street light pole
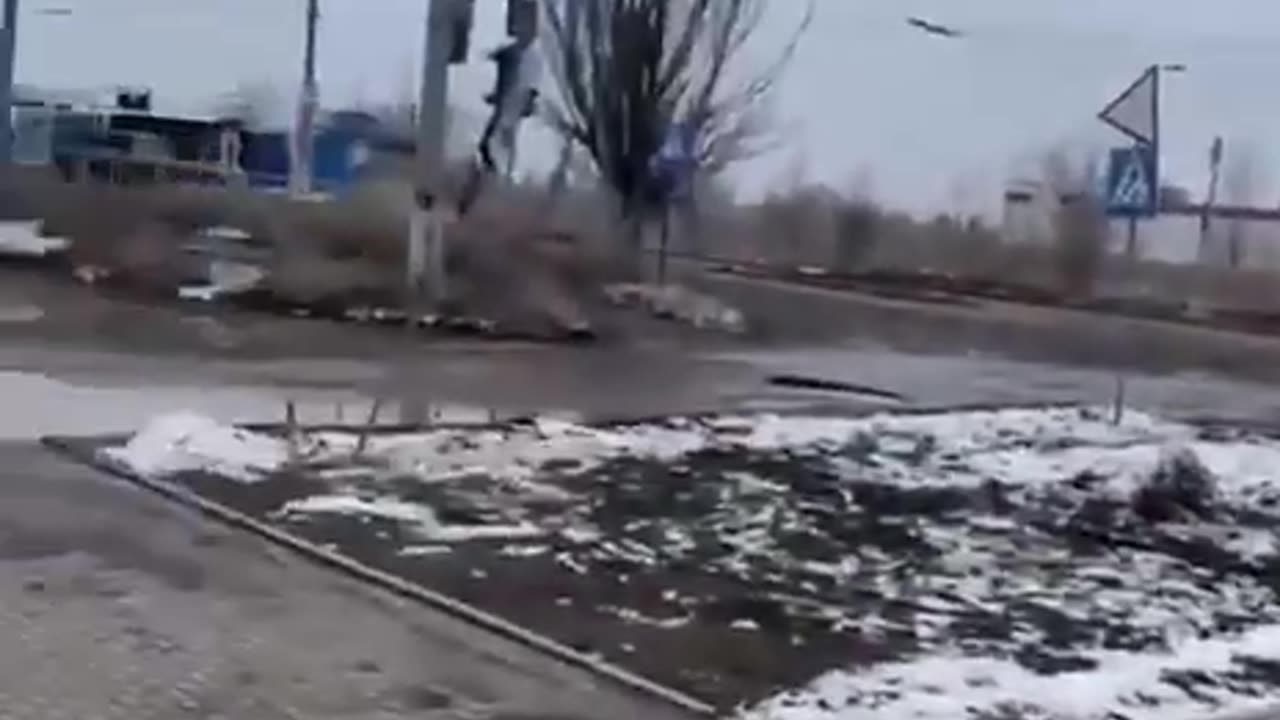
(8, 55)
(304, 132)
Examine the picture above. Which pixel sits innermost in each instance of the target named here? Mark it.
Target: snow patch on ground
(186, 442)
(995, 440)
(1019, 447)
(226, 278)
(421, 519)
(682, 304)
(22, 239)
(1125, 685)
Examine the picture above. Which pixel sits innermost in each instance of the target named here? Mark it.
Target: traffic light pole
(426, 250)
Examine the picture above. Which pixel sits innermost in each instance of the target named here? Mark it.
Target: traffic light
(522, 19)
(461, 20)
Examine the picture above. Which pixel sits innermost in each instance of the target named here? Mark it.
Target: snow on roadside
(419, 518)
(186, 442)
(1135, 687)
(22, 239)
(1020, 446)
(226, 278)
(521, 451)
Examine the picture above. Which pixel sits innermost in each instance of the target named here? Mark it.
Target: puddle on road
(38, 405)
(20, 313)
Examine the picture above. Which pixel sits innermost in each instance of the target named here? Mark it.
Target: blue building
(127, 143)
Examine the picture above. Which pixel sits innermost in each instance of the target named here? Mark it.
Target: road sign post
(1133, 173)
(671, 171)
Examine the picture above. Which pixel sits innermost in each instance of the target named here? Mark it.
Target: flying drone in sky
(934, 28)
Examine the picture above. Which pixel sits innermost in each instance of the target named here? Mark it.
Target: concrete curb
(435, 600)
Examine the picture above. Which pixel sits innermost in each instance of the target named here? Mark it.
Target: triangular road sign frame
(1152, 75)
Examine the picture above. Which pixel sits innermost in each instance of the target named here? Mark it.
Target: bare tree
(1079, 222)
(626, 70)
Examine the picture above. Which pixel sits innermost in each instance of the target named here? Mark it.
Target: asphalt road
(113, 603)
(786, 314)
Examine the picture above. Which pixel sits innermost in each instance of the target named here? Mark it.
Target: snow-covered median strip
(1039, 564)
(1002, 438)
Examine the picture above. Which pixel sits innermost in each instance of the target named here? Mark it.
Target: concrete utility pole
(448, 25)
(8, 54)
(300, 172)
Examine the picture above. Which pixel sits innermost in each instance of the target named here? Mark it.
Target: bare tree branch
(736, 123)
(627, 70)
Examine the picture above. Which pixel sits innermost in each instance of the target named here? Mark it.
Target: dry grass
(507, 260)
(821, 228)
(524, 260)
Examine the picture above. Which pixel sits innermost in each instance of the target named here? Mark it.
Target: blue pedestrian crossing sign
(1132, 186)
(674, 164)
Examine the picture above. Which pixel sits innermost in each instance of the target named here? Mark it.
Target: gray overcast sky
(927, 124)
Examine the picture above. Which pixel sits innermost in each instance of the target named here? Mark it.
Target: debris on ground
(1180, 489)
(802, 382)
(680, 303)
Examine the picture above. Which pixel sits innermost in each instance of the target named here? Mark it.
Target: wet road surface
(119, 605)
(114, 604)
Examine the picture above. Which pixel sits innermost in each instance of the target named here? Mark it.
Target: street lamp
(8, 52)
(1156, 71)
(8, 55)
(304, 130)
